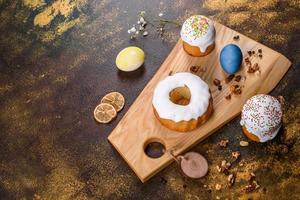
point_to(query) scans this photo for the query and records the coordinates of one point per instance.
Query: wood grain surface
(139, 125)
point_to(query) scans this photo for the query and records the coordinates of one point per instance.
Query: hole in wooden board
(154, 148)
(180, 95)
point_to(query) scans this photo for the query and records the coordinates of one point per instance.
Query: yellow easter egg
(130, 59)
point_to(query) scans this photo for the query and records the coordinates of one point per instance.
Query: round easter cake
(182, 102)
(261, 118)
(198, 35)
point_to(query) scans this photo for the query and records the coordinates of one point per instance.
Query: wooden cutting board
(139, 126)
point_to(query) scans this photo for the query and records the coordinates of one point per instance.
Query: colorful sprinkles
(196, 26)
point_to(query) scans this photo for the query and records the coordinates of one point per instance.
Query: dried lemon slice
(104, 113)
(115, 99)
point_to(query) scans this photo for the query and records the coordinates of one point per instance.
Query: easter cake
(182, 102)
(261, 118)
(198, 35)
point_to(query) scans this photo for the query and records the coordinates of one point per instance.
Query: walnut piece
(236, 154)
(217, 82)
(244, 143)
(223, 143)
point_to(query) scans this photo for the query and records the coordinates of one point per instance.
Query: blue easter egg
(231, 58)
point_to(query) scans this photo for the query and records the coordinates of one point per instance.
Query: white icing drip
(261, 115)
(265, 137)
(197, 106)
(242, 123)
(203, 41)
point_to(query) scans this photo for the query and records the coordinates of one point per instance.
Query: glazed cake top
(261, 115)
(198, 31)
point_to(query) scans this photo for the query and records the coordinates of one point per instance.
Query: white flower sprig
(138, 28)
(141, 26)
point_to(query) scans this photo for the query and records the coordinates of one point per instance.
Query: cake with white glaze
(198, 35)
(261, 118)
(182, 101)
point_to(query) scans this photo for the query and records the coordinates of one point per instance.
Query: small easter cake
(182, 102)
(198, 35)
(261, 118)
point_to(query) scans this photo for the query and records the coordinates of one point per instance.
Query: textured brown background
(57, 61)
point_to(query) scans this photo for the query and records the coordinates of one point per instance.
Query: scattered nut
(219, 87)
(256, 185)
(251, 187)
(244, 143)
(217, 82)
(218, 187)
(238, 78)
(236, 154)
(223, 163)
(223, 143)
(247, 60)
(219, 169)
(250, 177)
(230, 177)
(233, 88)
(224, 167)
(194, 68)
(252, 69)
(228, 165)
(237, 37)
(255, 67)
(228, 97)
(237, 91)
(229, 78)
(259, 51)
(231, 180)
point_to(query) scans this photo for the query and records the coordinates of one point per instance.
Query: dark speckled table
(57, 61)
